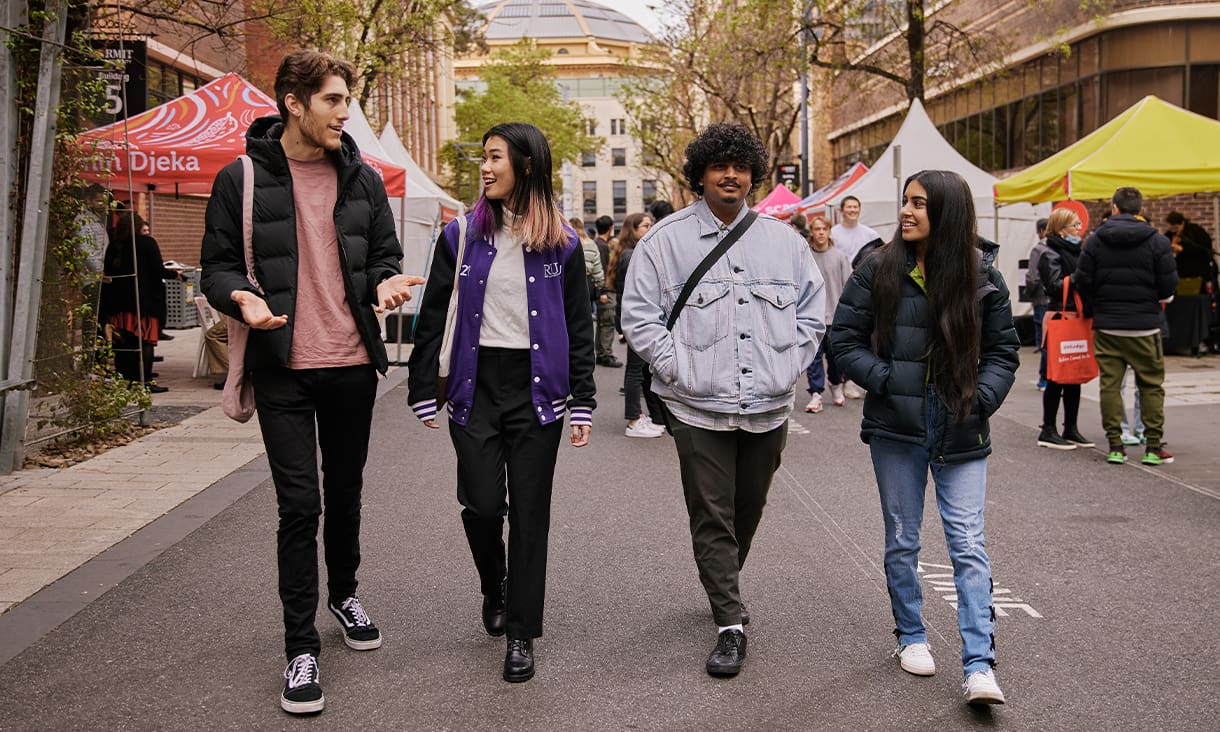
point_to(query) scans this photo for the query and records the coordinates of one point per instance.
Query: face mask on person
(1071, 239)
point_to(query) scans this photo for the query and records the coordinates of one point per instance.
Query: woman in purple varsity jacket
(521, 357)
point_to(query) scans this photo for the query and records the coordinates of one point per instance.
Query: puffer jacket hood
(1125, 231)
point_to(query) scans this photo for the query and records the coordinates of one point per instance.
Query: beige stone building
(591, 44)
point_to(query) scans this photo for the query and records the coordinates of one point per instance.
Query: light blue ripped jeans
(902, 478)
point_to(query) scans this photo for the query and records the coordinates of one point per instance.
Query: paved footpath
(1107, 584)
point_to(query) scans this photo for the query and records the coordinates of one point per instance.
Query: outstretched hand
(394, 291)
(255, 312)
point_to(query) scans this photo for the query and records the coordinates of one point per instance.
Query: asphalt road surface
(1106, 585)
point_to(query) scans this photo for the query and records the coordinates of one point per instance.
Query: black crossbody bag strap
(705, 265)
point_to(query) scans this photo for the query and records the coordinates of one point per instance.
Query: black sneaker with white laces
(302, 692)
(359, 633)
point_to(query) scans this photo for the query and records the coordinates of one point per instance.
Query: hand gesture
(394, 291)
(255, 312)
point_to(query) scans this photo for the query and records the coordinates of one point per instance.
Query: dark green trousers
(1146, 358)
(725, 478)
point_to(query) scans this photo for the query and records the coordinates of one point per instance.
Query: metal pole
(805, 20)
(33, 237)
(12, 15)
(898, 182)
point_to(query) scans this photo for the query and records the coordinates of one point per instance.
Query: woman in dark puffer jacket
(927, 328)
(1059, 261)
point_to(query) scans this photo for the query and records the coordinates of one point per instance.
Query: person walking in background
(1125, 270)
(594, 273)
(1057, 263)
(637, 377)
(1036, 293)
(727, 365)
(327, 259)
(836, 270)
(849, 235)
(927, 328)
(607, 300)
(133, 298)
(522, 357)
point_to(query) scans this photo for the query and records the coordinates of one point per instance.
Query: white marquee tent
(919, 146)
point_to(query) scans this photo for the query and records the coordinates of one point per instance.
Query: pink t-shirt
(324, 333)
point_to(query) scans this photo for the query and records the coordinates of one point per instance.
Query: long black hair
(540, 225)
(951, 269)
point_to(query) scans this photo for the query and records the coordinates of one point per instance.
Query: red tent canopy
(777, 200)
(825, 195)
(181, 145)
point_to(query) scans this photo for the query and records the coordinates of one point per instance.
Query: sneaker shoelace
(303, 670)
(359, 617)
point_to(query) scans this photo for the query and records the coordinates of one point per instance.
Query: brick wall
(177, 225)
(1197, 208)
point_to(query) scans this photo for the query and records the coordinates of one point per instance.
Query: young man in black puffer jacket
(1125, 270)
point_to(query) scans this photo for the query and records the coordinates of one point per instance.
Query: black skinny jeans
(1070, 393)
(637, 382)
(300, 410)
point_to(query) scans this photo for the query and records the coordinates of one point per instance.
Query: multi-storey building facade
(1062, 74)
(591, 46)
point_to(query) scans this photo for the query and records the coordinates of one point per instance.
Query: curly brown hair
(302, 74)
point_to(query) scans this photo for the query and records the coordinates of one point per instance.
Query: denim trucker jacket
(750, 327)
(561, 330)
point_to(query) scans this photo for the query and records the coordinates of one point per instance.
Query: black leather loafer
(728, 654)
(494, 611)
(519, 660)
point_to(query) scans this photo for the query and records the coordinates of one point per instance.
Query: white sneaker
(815, 404)
(980, 687)
(643, 429)
(852, 391)
(836, 394)
(916, 658)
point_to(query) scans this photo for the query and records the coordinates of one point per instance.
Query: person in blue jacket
(926, 326)
(521, 358)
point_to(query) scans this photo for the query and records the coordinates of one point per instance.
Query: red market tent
(827, 194)
(777, 200)
(181, 145)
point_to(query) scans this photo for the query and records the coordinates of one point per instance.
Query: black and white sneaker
(302, 693)
(359, 632)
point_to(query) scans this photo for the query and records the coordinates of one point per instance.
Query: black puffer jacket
(1057, 262)
(1125, 269)
(369, 251)
(895, 405)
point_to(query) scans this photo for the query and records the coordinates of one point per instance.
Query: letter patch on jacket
(552, 269)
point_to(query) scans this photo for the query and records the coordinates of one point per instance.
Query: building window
(618, 126)
(649, 189)
(620, 196)
(591, 127)
(589, 192)
(588, 159)
(619, 156)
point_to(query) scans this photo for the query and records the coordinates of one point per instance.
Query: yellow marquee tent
(1160, 149)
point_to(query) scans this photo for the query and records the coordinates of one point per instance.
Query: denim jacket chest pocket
(776, 314)
(706, 317)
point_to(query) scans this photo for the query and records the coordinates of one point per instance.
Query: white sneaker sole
(643, 434)
(1053, 446)
(309, 707)
(985, 697)
(917, 670)
(358, 645)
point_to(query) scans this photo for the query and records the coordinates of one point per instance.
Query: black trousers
(637, 382)
(506, 466)
(725, 478)
(298, 412)
(1070, 393)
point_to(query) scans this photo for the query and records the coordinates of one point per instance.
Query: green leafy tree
(724, 60)
(520, 87)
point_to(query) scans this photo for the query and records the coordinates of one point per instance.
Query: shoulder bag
(1068, 340)
(238, 398)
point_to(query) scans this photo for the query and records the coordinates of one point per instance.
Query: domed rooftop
(513, 19)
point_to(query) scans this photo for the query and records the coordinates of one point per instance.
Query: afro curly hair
(724, 142)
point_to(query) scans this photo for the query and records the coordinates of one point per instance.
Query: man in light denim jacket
(728, 369)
